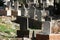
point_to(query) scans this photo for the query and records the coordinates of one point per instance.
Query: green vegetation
(7, 30)
(2, 28)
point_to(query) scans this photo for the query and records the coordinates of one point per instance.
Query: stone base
(48, 37)
(54, 37)
(21, 33)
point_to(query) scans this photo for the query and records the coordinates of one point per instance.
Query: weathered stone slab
(46, 28)
(42, 37)
(54, 37)
(48, 37)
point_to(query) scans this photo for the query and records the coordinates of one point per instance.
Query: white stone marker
(19, 12)
(8, 12)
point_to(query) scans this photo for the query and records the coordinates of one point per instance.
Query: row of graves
(26, 24)
(46, 28)
(50, 28)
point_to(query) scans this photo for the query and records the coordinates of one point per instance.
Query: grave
(23, 32)
(35, 24)
(50, 31)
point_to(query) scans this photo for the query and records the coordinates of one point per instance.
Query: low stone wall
(42, 37)
(48, 37)
(54, 37)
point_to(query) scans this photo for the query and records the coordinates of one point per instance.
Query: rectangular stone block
(42, 37)
(54, 37)
(48, 37)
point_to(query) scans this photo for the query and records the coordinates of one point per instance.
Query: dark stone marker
(34, 24)
(22, 21)
(42, 37)
(23, 32)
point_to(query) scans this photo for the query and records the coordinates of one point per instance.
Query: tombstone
(23, 32)
(46, 27)
(26, 12)
(22, 21)
(44, 35)
(50, 31)
(19, 12)
(34, 24)
(8, 12)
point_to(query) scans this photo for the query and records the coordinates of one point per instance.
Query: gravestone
(50, 31)
(46, 28)
(23, 32)
(8, 12)
(22, 21)
(35, 24)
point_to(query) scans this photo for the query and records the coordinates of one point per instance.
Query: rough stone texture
(48, 37)
(46, 28)
(54, 37)
(42, 37)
